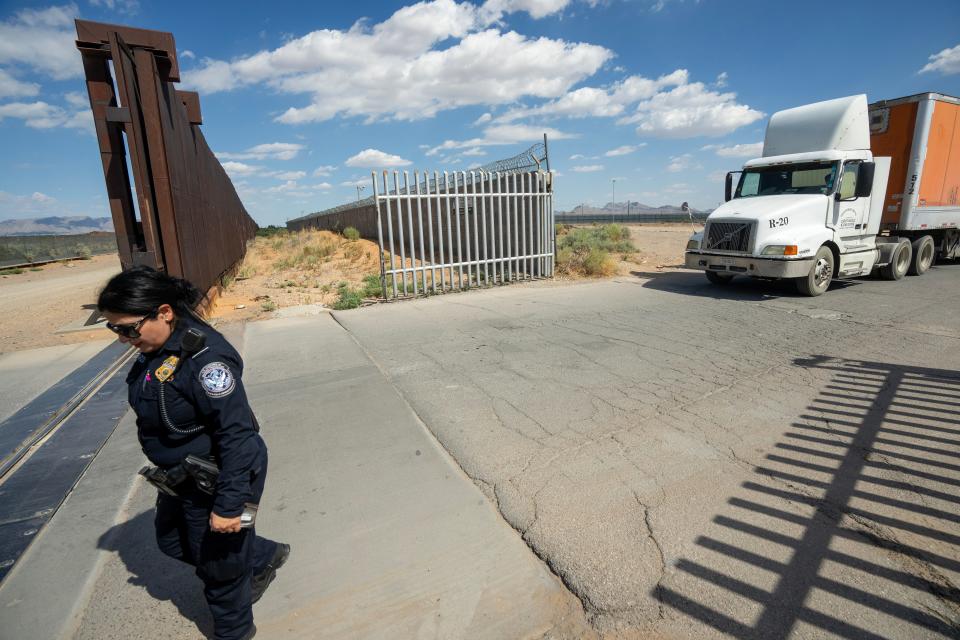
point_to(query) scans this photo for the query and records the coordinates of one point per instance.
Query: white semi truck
(821, 204)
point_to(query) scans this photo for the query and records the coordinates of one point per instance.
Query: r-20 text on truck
(843, 189)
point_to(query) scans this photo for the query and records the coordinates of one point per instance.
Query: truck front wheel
(818, 280)
(899, 261)
(717, 278)
(923, 251)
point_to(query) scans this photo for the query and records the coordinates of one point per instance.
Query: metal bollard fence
(472, 229)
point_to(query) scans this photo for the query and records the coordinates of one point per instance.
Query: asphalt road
(692, 462)
(700, 462)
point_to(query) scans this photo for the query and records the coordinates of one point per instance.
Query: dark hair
(138, 291)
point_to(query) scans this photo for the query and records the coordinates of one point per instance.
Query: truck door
(850, 213)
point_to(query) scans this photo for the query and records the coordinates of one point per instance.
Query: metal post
(446, 195)
(386, 200)
(376, 200)
(410, 232)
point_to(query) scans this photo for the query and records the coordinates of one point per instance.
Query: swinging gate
(469, 229)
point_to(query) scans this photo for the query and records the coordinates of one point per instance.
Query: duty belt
(203, 472)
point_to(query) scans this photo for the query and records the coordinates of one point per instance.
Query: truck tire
(923, 253)
(717, 278)
(818, 280)
(899, 262)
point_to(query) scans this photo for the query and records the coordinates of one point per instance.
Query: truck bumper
(748, 265)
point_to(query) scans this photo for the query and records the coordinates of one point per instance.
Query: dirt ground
(295, 269)
(277, 272)
(660, 247)
(42, 301)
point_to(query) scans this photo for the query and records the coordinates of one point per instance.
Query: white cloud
(624, 150)
(240, 168)
(267, 151)
(121, 6)
(17, 206)
(42, 115)
(681, 163)
(946, 62)
(589, 168)
(600, 102)
(374, 158)
(484, 119)
(77, 100)
(10, 87)
(396, 69)
(474, 151)
(670, 106)
(293, 188)
(186, 54)
(501, 135)
(691, 110)
(721, 80)
(492, 10)
(42, 39)
(353, 184)
(290, 175)
(751, 150)
(324, 171)
(577, 156)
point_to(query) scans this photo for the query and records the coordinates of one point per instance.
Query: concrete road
(690, 461)
(703, 462)
(390, 539)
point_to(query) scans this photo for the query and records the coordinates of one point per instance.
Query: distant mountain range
(622, 208)
(54, 226)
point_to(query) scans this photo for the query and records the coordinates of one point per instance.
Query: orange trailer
(921, 135)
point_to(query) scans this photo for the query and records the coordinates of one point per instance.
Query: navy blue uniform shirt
(204, 412)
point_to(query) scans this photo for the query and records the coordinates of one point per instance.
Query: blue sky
(302, 100)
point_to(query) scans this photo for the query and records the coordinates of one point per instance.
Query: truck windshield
(810, 177)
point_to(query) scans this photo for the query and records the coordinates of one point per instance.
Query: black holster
(203, 472)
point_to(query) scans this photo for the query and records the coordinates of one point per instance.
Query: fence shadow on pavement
(850, 527)
(163, 578)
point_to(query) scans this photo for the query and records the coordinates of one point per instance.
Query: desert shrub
(350, 233)
(350, 298)
(353, 252)
(371, 286)
(587, 250)
(83, 252)
(269, 305)
(270, 231)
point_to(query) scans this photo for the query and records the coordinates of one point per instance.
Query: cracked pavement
(704, 462)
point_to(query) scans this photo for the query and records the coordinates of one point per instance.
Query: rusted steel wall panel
(192, 222)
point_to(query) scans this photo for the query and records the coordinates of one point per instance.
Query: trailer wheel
(899, 262)
(818, 280)
(923, 252)
(717, 278)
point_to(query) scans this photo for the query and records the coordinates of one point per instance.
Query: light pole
(613, 181)
(360, 188)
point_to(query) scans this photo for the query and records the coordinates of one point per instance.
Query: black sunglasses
(130, 330)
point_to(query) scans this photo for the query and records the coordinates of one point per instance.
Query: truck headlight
(779, 250)
(693, 244)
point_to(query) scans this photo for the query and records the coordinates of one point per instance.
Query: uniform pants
(225, 562)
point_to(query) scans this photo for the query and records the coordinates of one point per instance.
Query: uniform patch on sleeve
(217, 380)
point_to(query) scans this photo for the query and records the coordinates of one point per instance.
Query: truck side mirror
(865, 179)
(728, 187)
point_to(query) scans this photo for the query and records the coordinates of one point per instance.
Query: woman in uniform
(195, 425)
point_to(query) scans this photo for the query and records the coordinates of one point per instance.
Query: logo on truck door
(779, 222)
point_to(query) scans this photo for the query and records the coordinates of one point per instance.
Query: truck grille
(728, 236)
